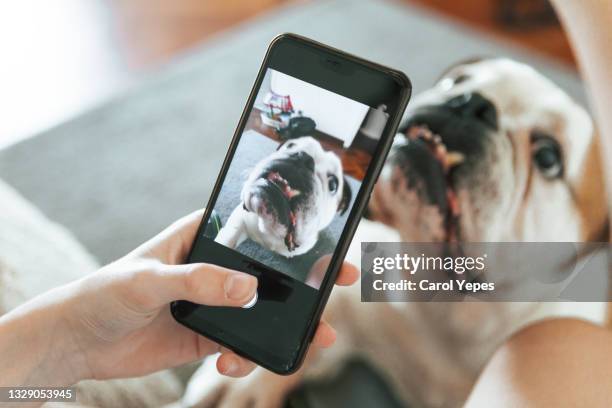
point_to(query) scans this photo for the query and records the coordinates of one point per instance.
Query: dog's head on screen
(296, 192)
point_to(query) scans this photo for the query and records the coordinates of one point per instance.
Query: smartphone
(310, 143)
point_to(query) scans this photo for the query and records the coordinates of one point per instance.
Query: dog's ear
(589, 186)
(466, 61)
(593, 204)
(347, 195)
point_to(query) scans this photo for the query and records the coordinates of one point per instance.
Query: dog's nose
(303, 158)
(474, 105)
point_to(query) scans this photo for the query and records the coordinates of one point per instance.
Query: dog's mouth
(279, 181)
(289, 193)
(274, 195)
(445, 197)
(448, 202)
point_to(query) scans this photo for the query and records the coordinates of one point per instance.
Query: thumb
(201, 283)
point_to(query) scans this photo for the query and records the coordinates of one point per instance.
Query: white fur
(311, 219)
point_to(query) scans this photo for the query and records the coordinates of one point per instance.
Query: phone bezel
(361, 198)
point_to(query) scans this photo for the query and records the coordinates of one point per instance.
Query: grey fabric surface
(252, 148)
(120, 173)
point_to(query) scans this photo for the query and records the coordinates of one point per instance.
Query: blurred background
(63, 57)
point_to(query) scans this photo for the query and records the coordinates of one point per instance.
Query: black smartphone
(310, 143)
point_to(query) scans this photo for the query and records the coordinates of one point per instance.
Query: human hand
(117, 322)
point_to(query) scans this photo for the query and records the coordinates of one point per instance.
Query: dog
(493, 152)
(288, 198)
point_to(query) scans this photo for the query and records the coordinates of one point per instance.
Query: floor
(50, 73)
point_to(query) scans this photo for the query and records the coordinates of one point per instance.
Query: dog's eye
(448, 82)
(332, 183)
(460, 78)
(546, 154)
(289, 145)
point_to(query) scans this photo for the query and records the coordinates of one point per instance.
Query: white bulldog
(288, 198)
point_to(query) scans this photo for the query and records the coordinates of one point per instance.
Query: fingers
(348, 274)
(172, 245)
(198, 283)
(325, 335)
(233, 365)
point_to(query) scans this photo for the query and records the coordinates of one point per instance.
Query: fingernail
(240, 286)
(230, 367)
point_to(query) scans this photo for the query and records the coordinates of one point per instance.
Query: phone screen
(289, 188)
(282, 205)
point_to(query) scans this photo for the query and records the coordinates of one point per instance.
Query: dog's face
(296, 192)
(493, 152)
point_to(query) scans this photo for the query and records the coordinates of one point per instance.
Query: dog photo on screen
(298, 164)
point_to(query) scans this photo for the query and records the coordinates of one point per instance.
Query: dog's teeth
(454, 158)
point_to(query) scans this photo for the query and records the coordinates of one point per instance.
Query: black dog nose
(474, 105)
(304, 159)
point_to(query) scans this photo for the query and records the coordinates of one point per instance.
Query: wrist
(35, 344)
